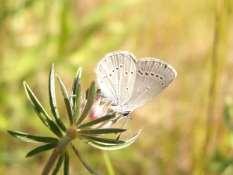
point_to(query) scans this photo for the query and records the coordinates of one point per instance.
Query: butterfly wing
(153, 75)
(116, 74)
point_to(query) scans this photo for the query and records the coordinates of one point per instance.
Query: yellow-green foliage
(195, 36)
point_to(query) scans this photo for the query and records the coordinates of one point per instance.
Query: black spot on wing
(140, 72)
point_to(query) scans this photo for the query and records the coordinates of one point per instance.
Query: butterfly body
(129, 83)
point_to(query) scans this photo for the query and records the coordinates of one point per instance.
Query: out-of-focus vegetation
(187, 129)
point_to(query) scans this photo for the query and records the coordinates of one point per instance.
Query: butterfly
(129, 83)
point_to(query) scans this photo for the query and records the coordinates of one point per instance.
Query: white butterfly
(129, 83)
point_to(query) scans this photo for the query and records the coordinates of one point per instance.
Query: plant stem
(108, 163)
(50, 162)
(55, 154)
(91, 171)
(218, 59)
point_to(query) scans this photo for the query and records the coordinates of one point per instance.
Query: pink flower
(99, 109)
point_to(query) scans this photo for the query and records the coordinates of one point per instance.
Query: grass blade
(58, 165)
(66, 99)
(52, 98)
(97, 121)
(66, 164)
(90, 100)
(32, 138)
(41, 149)
(127, 143)
(101, 131)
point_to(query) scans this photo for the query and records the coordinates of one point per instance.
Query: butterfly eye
(125, 113)
(131, 72)
(157, 75)
(126, 73)
(121, 66)
(147, 73)
(161, 78)
(165, 66)
(152, 74)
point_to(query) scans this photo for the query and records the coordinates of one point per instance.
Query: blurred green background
(187, 129)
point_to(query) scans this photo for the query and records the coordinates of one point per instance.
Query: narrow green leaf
(97, 121)
(66, 164)
(32, 138)
(52, 93)
(42, 114)
(90, 101)
(54, 128)
(52, 98)
(76, 82)
(77, 106)
(41, 149)
(101, 131)
(66, 99)
(76, 87)
(102, 140)
(76, 94)
(107, 147)
(58, 165)
(86, 93)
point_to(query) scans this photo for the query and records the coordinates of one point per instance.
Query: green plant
(221, 160)
(78, 108)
